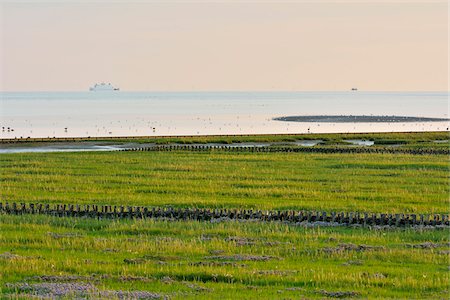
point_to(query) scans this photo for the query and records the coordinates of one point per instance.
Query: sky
(320, 45)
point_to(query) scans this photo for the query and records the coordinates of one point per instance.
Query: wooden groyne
(203, 214)
(328, 150)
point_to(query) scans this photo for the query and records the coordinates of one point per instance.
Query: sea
(120, 113)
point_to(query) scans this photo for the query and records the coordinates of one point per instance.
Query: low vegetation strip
(412, 137)
(327, 150)
(218, 215)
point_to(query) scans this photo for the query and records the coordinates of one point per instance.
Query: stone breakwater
(303, 218)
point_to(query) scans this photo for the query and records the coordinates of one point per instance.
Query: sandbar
(358, 119)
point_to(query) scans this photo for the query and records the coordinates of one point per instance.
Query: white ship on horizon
(103, 87)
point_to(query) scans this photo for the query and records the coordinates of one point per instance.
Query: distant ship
(354, 89)
(103, 87)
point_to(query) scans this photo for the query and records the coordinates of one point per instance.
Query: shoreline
(155, 137)
(431, 140)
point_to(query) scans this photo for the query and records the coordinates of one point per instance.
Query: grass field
(222, 260)
(44, 256)
(349, 182)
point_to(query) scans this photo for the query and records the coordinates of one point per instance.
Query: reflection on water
(308, 143)
(360, 142)
(40, 149)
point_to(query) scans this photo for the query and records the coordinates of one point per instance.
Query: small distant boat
(103, 87)
(354, 89)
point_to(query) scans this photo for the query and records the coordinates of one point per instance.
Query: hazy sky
(230, 45)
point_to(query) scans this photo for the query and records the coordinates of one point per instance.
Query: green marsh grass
(390, 183)
(201, 260)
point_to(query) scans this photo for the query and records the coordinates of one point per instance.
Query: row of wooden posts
(203, 214)
(289, 149)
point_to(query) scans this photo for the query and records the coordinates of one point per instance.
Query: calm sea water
(74, 114)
